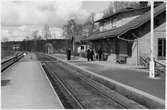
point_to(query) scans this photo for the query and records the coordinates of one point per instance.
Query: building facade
(126, 35)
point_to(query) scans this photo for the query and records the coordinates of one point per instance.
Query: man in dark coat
(68, 54)
(100, 54)
(91, 54)
(88, 54)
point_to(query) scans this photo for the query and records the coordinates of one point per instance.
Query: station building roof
(130, 25)
(127, 10)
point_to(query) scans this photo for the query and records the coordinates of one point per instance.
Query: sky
(20, 18)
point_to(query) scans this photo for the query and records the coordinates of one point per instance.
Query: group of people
(91, 54)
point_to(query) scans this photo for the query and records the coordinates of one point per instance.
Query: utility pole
(72, 38)
(152, 68)
(114, 7)
(137, 51)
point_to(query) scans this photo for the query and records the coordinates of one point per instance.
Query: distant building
(126, 34)
(80, 46)
(16, 47)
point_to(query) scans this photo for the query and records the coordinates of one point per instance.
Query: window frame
(163, 49)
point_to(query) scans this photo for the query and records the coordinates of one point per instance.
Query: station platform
(26, 87)
(130, 75)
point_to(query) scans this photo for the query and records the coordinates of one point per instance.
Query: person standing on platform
(91, 54)
(88, 54)
(68, 54)
(100, 54)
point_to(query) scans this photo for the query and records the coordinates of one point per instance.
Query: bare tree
(47, 33)
(25, 46)
(5, 39)
(35, 38)
(72, 29)
(27, 38)
(35, 35)
(89, 27)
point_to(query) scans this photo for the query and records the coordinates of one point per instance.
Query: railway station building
(125, 35)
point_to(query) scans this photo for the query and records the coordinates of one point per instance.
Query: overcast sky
(20, 18)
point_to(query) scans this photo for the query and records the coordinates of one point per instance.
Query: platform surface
(26, 86)
(129, 75)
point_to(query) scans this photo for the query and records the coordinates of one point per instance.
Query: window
(82, 47)
(161, 48)
(156, 22)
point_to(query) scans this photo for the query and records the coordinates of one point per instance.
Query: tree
(35, 38)
(35, 35)
(88, 26)
(5, 39)
(72, 30)
(47, 33)
(68, 28)
(27, 38)
(5, 47)
(25, 46)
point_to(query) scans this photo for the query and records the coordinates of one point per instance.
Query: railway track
(78, 91)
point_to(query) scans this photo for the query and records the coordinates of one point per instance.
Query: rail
(144, 62)
(159, 68)
(5, 64)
